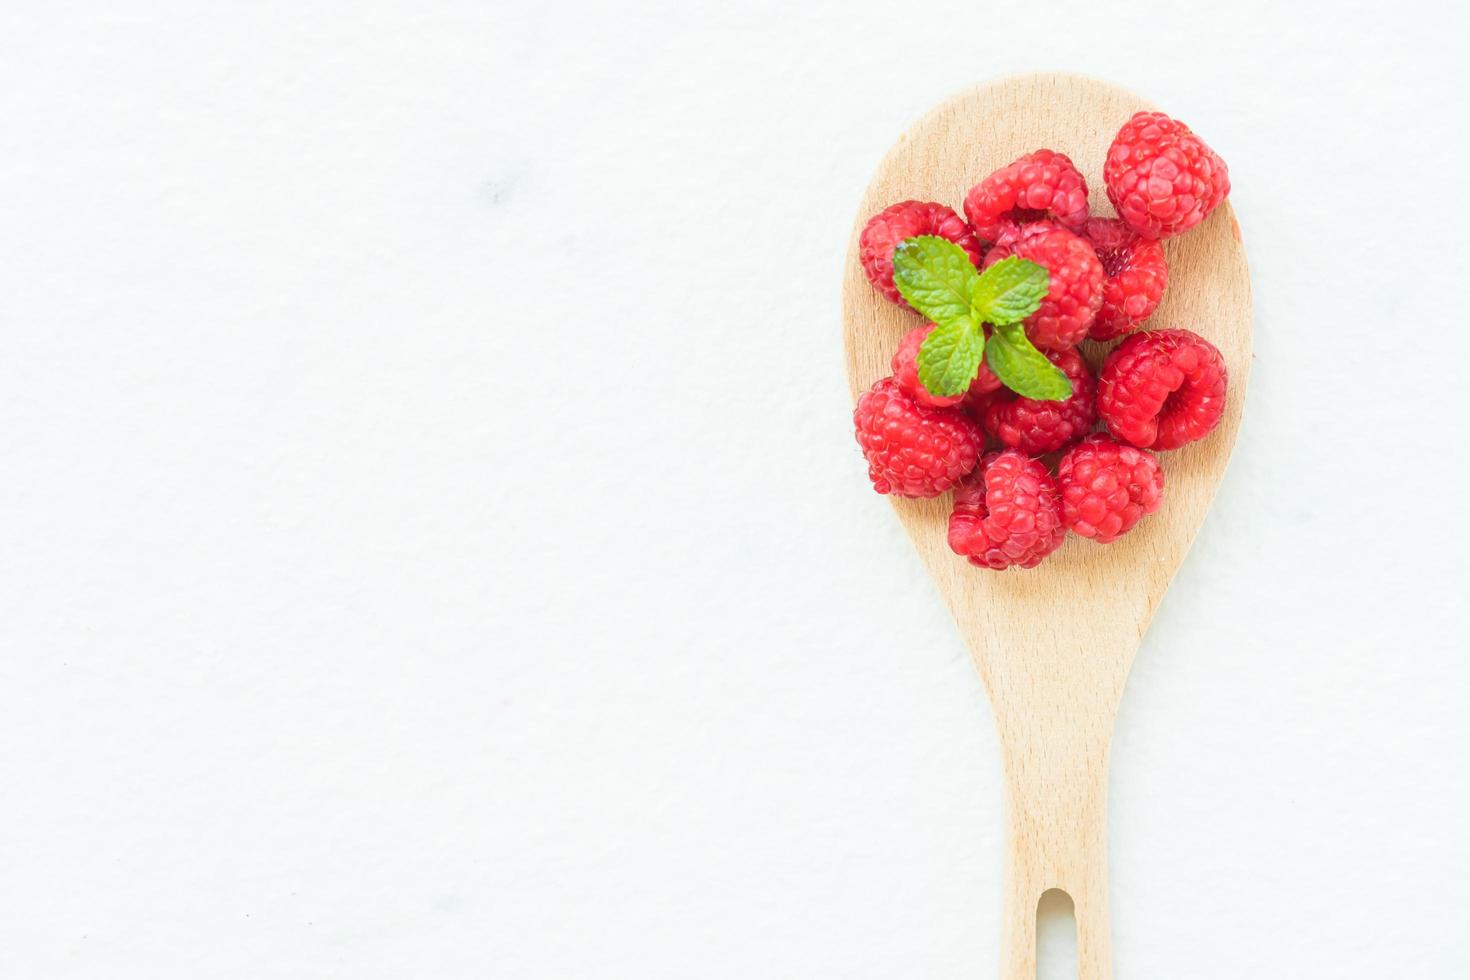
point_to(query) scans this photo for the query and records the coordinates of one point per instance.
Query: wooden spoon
(1054, 644)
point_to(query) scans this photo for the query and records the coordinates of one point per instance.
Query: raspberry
(1161, 178)
(912, 450)
(1008, 513)
(1160, 389)
(1136, 276)
(886, 229)
(1037, 427)
(1076, 282)
(1108, 487)
(1040, 185)
(906, 373)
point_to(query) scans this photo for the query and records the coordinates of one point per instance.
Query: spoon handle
(1057, 790)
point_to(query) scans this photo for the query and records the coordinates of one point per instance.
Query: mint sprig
(938, 280)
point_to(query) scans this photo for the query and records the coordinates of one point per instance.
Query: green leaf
(1024, 369)
(1010, 290)
(936, 277)
(950, 357)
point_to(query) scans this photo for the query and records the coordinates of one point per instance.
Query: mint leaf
(1022, 368)
(1010, 290)
(936, 277)
(950, 357)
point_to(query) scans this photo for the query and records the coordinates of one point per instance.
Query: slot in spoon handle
(1057, 797)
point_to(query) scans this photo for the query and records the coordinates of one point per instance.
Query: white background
(434, 545)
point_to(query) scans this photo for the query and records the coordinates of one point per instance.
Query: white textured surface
(434, 546)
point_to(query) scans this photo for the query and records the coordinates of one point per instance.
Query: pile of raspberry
(1025, 472)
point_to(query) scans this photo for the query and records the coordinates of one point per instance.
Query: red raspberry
(1035, 426)
(912, 450)
(906, 373)
(1160, 389)
(1108, 487)
(1040, 185)
(1161, 178)
(1008, 512)
(889, 227)
(1136, 276)
(1076, 282)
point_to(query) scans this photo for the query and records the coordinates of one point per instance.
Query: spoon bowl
(1054, 644)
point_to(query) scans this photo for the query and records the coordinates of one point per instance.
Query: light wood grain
(1054, 644)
